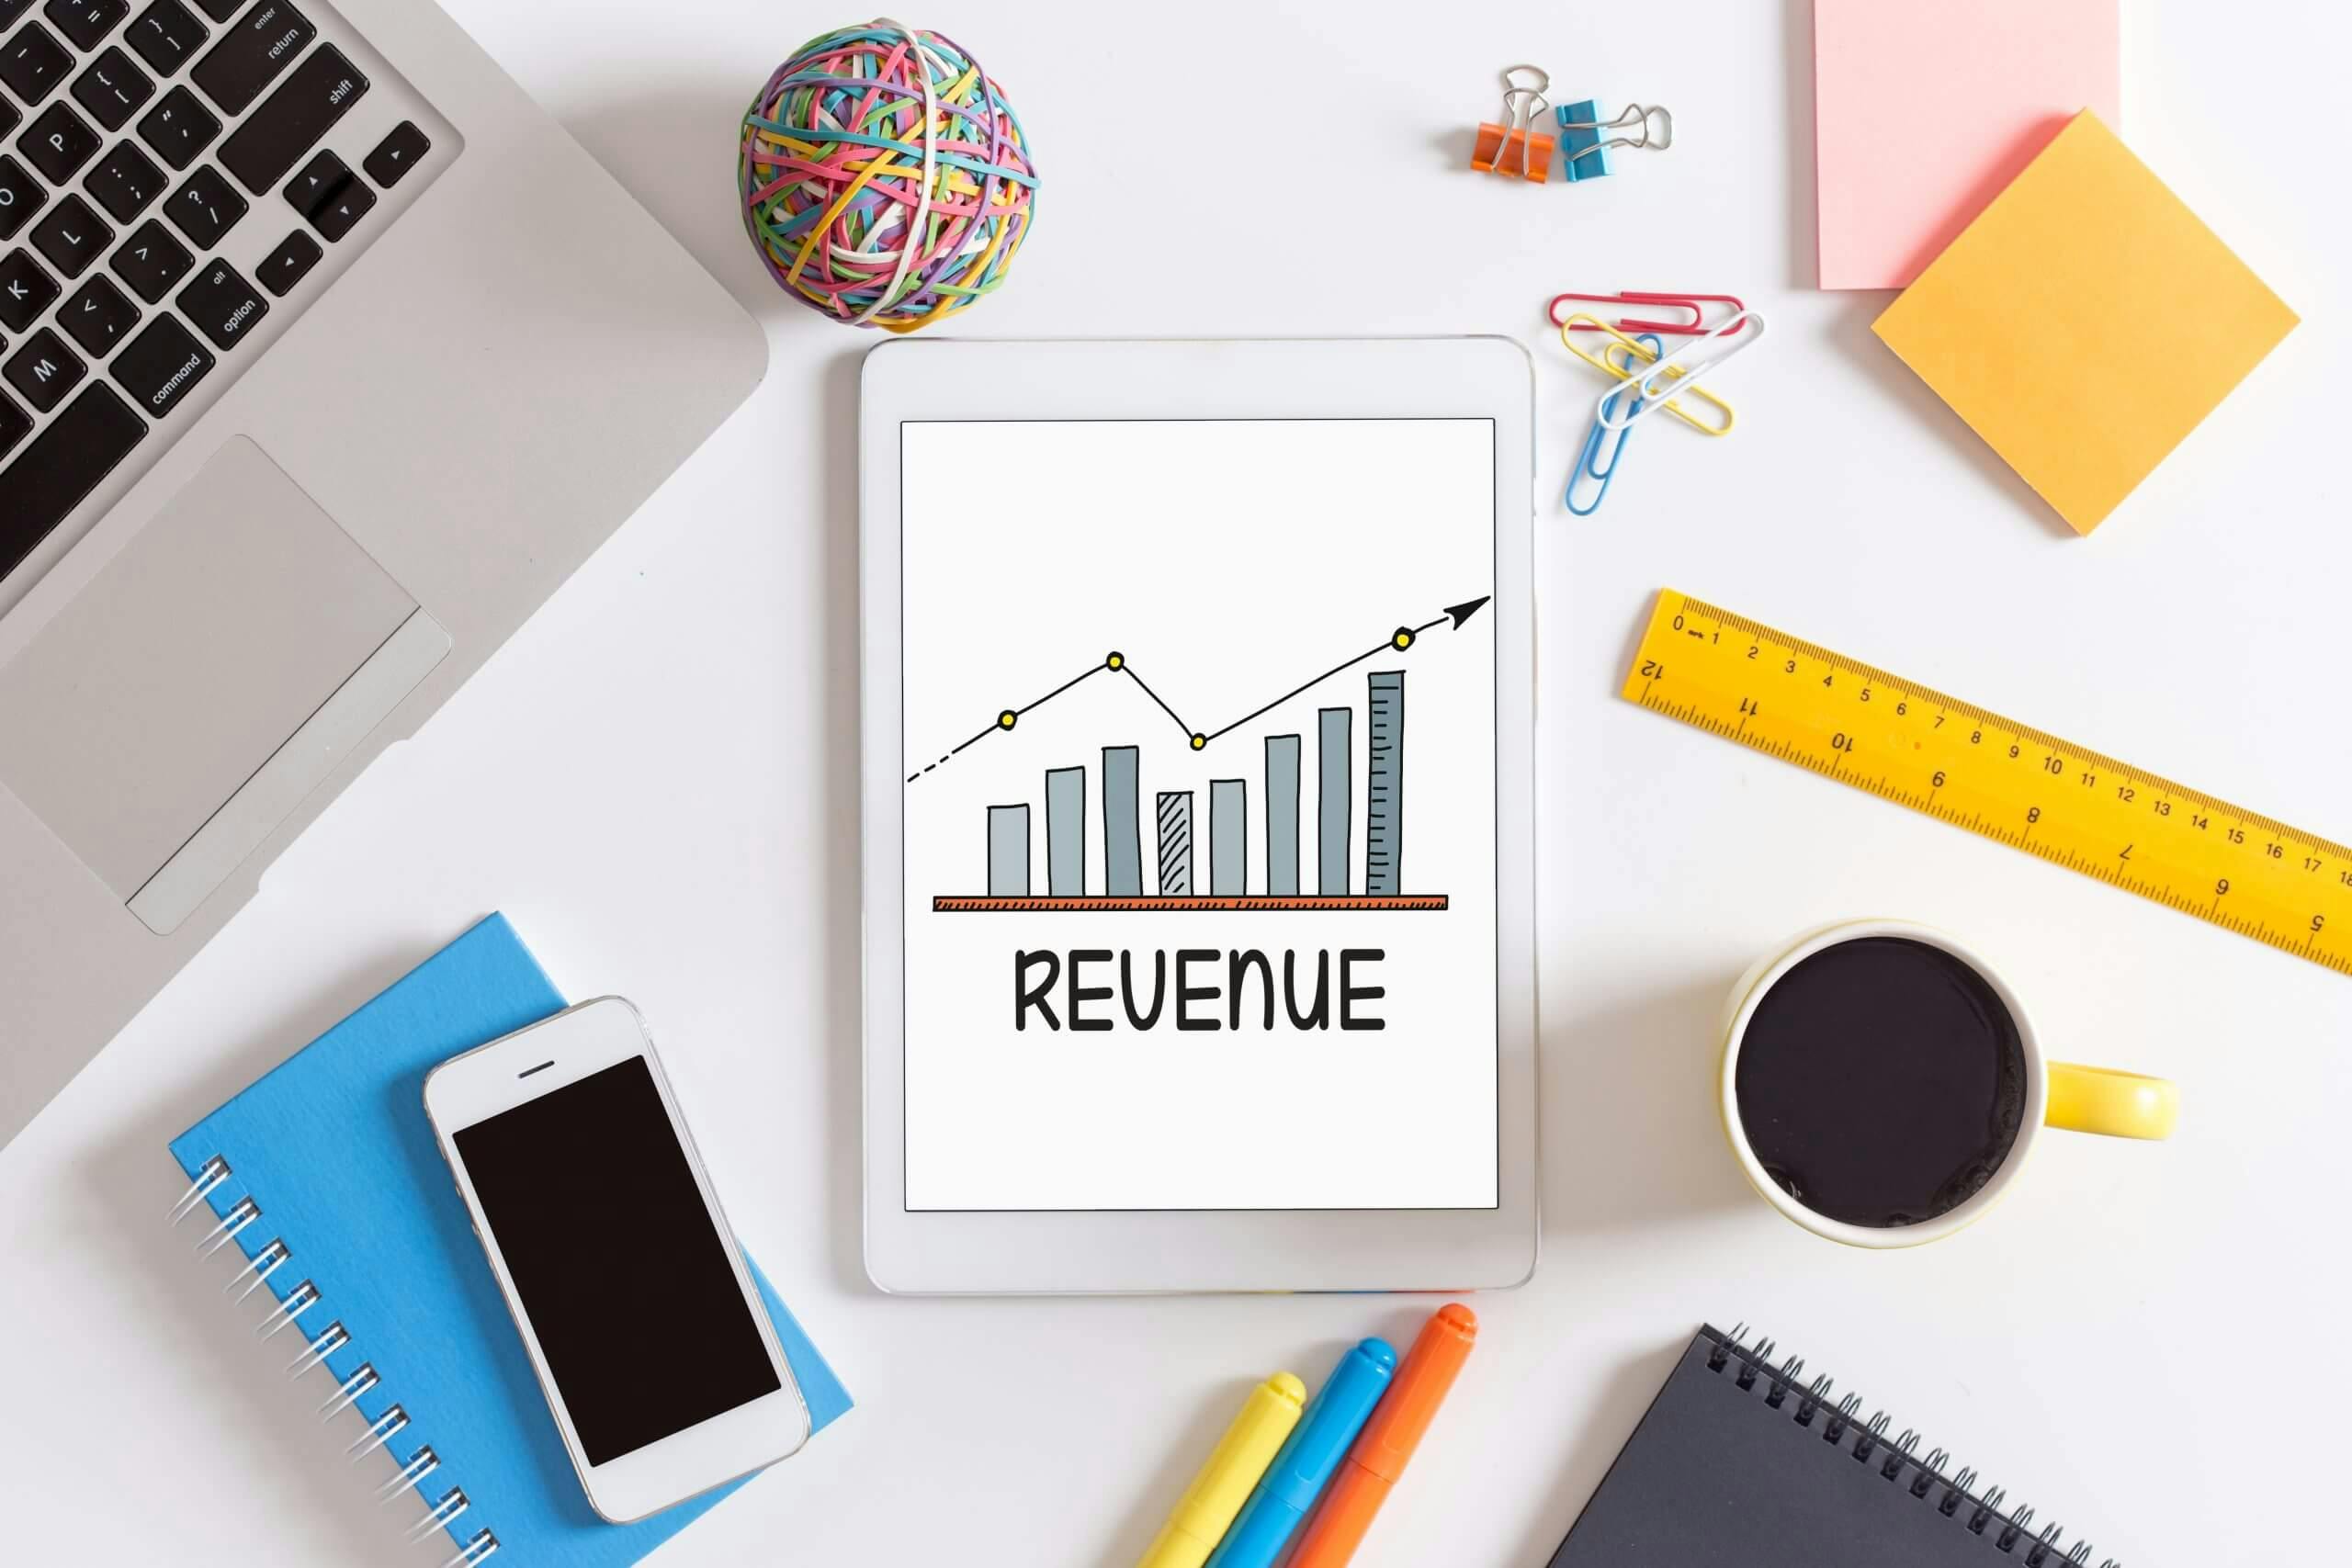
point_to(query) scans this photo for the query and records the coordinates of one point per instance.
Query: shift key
(289, 122)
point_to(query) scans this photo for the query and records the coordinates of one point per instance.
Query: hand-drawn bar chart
(1200, 842)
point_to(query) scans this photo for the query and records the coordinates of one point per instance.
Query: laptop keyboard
(173, 174)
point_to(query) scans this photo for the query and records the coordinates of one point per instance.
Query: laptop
(325, 357)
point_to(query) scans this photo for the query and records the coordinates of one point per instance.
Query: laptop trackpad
(208, 678)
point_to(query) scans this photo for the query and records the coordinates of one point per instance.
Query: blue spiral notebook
(336, 1193)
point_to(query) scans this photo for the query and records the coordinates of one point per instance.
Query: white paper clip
(1678, 371)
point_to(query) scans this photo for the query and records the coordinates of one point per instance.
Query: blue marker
(1307, 1460)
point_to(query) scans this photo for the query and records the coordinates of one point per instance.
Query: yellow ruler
(1911, 744)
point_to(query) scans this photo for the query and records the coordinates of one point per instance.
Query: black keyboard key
(25, 291)
(72, 236)
(60, 466)
(289, 122)
(205, 208)
(179, 127)
(220, 10)
(12, 9)
(33, 63)
(166, 34)
(11, 117)
(341, 212)
(396, 154)
(125, 181)
(251, 54)
(160, 365)
(44, 370)
(20, 196)
(328, 194)
(151, 261)
(315, 181)
(15, 424)
(113, 88)
(290, 263)
(86, 22)
(224, 307)
(98, 316)
(59, 142)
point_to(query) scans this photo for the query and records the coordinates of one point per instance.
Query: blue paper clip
(1587, 461)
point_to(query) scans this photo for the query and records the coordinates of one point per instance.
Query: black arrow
(1396, 641)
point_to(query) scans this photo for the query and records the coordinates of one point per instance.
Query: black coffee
(1880, 1082)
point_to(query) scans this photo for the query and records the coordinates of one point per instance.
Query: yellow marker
(2024, 787)
(1234, 1467)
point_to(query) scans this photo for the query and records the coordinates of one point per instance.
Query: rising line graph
(1117, 663)
(1213, 849)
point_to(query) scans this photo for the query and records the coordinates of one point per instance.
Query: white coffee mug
(2058, 1094)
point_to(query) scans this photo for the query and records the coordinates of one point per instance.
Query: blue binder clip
(1589, 460)
(1584, 149)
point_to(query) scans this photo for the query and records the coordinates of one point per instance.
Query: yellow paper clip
(1639, 353)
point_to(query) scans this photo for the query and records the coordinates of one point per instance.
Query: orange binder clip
(1515, 147)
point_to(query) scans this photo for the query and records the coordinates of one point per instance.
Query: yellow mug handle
(2119, 1105)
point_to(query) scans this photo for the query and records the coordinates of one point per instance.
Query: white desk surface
(658, 778)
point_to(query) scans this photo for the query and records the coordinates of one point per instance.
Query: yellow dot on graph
(1404, 638)
(1004, 720)
(1199, 741)
(1116, 662)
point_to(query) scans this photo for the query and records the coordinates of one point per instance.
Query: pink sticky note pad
(1925, 110)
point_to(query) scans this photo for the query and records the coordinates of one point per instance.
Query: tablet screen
(1200, 816)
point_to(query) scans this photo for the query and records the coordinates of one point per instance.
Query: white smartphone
(651, 1342)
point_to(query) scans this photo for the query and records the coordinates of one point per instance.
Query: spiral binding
(1751, 1367)
(260, 1264)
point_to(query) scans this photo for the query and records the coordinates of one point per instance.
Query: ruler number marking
(2086, 829)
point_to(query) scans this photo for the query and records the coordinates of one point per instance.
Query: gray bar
(1122, 827)
(1066, 832)
(1383, 791)
(1282, 814)
(1333, 805)
(1176, 844)
(1008, 851)
(1229, 837)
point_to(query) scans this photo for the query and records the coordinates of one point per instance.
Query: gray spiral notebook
(1738, 1464)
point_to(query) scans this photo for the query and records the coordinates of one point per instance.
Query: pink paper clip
(1695, 327)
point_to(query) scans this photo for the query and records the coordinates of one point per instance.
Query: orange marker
(1388, 1439)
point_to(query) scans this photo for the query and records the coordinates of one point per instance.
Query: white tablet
(1198, 827)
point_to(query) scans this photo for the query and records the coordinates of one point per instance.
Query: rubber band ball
(885, 177)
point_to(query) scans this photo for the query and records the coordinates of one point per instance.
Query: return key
(251, 54)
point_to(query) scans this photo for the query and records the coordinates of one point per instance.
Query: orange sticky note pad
(2051, 323)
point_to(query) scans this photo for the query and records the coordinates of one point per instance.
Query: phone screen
(612, 1250)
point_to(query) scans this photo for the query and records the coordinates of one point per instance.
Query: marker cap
(1421, 1384)
(1233, 1469)
(1307, 1461)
